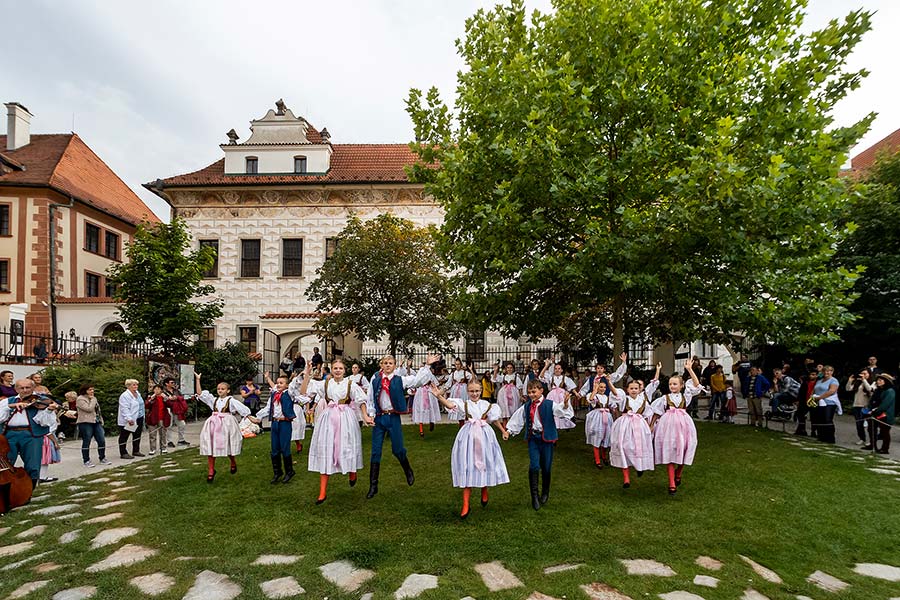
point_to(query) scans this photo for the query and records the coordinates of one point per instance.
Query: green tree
(672, 156)
(159, 288)
(385, 280)
(231, 363)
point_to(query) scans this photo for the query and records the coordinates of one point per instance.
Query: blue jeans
(540, 454)
(88, 432)
(281, 438)
(860, 423)
(387, 424)
(717, 399)
(22, 443)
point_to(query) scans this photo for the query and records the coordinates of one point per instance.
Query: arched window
(112, 328)
(252, 165)
(299, 164)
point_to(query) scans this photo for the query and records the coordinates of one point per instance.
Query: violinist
(25, 421)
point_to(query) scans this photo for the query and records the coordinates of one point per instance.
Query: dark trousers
(860, 422)
(717, 399)
(281, 438)
(22, 443)
(540, 454)
(135, 438)
(880, 431)
(88, 432)
(824, 417)
(387, 424)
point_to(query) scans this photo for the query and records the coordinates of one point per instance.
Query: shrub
(231, 363)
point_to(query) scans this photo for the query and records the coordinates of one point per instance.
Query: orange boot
(323, 488)
(484, 496)
(465, 508)
(211, 468)
(626, 477)
(352, 478)
(598, 460)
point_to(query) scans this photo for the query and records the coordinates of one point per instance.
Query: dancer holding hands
(632, 442)
(221, 435)
(675, 436)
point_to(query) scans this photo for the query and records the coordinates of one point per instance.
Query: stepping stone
(30, 560)
(106, 505)
(26, 588)
(601, 591)
(212, 586)
(112, 536)
(276, 559)
(101, 480)
(284, 587)
(47, 567)
(706, 581)
(415, 584)
(4, 530)
(80, 593)
(55, 510)
(164, 478)
(881, 471)
(141, 468)
(371, 595)
(85, 494)
(647, 567)
(826, 582)
(680, 595)
(74, 515)
(343, 574)
(128, 554)
(177, 470)
(752, 594)
(184, 558)
(562, 568)
(708, 563)
(117, 484)
(127, 488)
(496, 577)
(40, 498)
(153, 585)
(34, 531)
(767, 574)
(104, 518)
(808, 598)
(878, 571)
(75, 488)
(540, 596)
(15, 548)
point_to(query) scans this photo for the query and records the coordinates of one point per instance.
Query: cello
(15, 483)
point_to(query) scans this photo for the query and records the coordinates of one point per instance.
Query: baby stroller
(781, 408)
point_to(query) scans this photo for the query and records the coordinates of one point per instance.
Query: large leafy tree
(385, 280)
(671, 164)
(159, 287)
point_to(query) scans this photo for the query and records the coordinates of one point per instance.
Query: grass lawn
(795, 511)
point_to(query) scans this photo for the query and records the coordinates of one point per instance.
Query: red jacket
(178, 405)
(157, 411)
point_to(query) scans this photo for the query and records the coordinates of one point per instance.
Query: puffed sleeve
(239, 408)
(619, 373)
(4, 411)
(690, 390)
(561, 412)
(586, 388)
(315, 388)
(294, 386)
(46, 418)
(650, 389)
(417, 380)
(493, 413)
(208, 399)
(619, 400)
(358, 396)
(568, 383)
(516, 421)
(658, 406)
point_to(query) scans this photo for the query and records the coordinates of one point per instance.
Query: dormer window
(252, 165)
(299, 164)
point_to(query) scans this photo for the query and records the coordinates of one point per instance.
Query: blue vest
(531, 376)
(396, 392)
(591, 383)
(548, 423)
(36, 429)
(287, 405)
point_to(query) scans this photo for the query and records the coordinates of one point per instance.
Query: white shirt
(559, 381)
(384, 399)
(130, 406)
(219, 404)
(505, 379)
(277, 412)
(627, 404)
(19, 418)
(490, 411)
(517, 420)
(337, 391)
(680, 400)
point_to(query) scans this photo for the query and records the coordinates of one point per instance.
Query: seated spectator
(786, 389)
(250, 395)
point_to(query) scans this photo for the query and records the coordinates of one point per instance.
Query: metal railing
(42, 348)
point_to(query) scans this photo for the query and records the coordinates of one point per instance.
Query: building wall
(277, 160)
(88, 320)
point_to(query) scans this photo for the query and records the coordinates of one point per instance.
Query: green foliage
(231, 363)
(159, 287)
(385, 280)
(667, 163)
(106, 373)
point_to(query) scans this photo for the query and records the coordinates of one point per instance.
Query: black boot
(545, 486)
(410, 478)
(276, 468)
(533, 484)
(373, 479)
(288, 468)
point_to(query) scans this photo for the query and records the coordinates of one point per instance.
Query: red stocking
(211, 465)
(467, 492)
(626, 476)
(323, 486)
(671, 469)
(597, 459)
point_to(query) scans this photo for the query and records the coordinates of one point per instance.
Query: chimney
(18, 126)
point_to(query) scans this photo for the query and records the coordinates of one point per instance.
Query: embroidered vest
(548, 423)
(287, 405)
(396, 392)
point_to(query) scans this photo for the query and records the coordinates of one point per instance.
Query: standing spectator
(177, 404)
(862, 392)
(39, 388)
(316, 360)
(40, 351)
(742, 370)
(883, 411)
(287, 363)
(158, 419)
(90, 425)
(6, 385)
(757, 386)
(68, 418)
(519, 364)
(786, 389)
(705, 377)
(803, 408)
(872, 368)
(299, 363)
(130, 419)
(250, 395)
(825, 393)
(717, 387)
(696, 367)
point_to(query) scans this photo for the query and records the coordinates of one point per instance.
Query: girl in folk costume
(459, 382)
(675, 436)
(426, 408)
(509, 398)
(336, 445)
(599, 421)
(632, 442)
(50, 450)
(560, 386)
(476, 459)
(221, 434)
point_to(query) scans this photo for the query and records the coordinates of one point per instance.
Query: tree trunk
(618, 325)
(392, 346)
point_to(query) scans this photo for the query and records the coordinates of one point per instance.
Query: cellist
(25, 419)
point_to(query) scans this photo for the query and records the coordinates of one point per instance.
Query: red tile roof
(350, 163)
(85, 300)
(867, 157)
(302, 315)
(64, 163)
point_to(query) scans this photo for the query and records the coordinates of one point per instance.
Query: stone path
(79, 593)
(415, 584)
(153, 585)
(496, 577)
(128, 554)
(276, 559)
(878, 571)
(212, 586)
(647, 567)
(826, 582)
(26, 588)
(284, 587)
(108, 537)
(343, 574)
(601, 591)
(764, 572)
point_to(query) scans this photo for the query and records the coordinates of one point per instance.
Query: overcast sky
(152, 87)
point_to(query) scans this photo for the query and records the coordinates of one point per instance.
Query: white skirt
(425, 407)
(598, 427)
(298, 425)
(508, 399)
(558, 395)
(632, 443)
(477, 467)
(221, 436)
(336, 445)
(458, 390)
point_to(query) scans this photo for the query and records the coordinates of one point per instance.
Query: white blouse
(477, 410)
(235, 407)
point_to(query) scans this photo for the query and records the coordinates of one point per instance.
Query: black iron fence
(43, 348)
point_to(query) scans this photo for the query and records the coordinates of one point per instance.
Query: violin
(15, 484)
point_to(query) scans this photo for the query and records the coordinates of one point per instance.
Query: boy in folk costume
(675, 436)
(476, 459)
(387, 400)
(632, 442)
(336, 445)
(425, 405)
(509, 397)
(561, 385)
(221, 434)
(537, 417)
(600, 373)
(533, 375)
(281, 410)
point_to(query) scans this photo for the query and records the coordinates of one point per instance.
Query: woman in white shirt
(130, 404)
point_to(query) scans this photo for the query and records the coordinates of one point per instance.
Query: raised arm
(619, 373)
(269, 381)
(441, 395)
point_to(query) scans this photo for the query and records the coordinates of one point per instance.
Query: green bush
(231, 363)
(105, 373)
